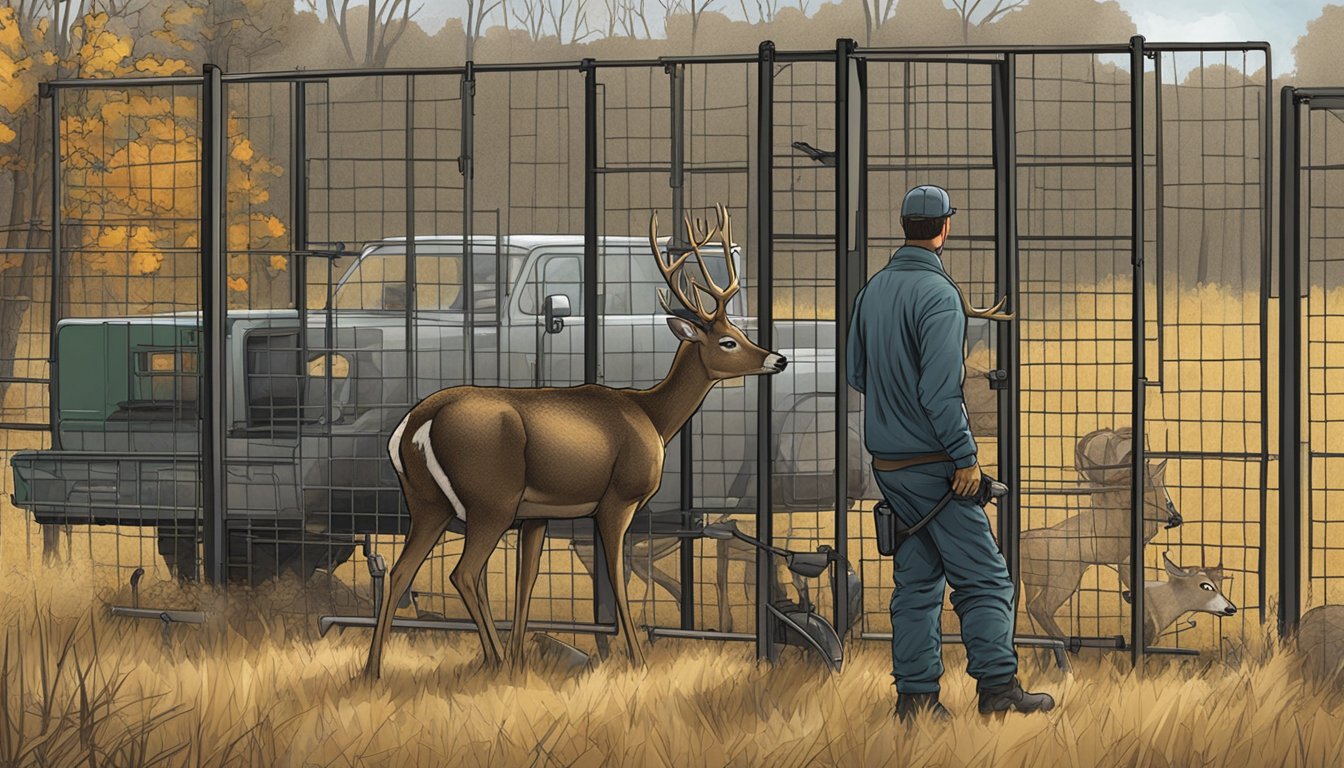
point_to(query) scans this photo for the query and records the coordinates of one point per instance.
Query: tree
(478, 11)
(385, 21)
(225, 29)
(875, 14)
(628, 17)
(977, 13)
(759, 11)
(569, 20)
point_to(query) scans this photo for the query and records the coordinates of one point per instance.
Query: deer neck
(670, 402)
(1160, 605)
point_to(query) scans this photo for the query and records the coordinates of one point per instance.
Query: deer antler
(725, 230)
(991, 313)
(672, 269)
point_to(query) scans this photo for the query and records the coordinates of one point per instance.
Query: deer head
(724, 350)
(1199, 589)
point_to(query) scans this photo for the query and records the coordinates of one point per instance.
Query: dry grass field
(79, 688)
(256, 686)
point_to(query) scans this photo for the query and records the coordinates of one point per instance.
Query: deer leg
(483, 533)
(612, 520)
(427, 525)
(645, 566)
(531, 537)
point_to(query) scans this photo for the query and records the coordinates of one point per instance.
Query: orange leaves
(237, 283)
(102, 52)
(256, 230)
(125, 251)
(10, 261)
(7, 134)
(279, 263)
(161, 65)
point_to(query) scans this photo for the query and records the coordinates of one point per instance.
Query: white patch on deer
(421, 440)
(394, 445)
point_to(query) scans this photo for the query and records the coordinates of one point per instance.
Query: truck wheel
(178, 547)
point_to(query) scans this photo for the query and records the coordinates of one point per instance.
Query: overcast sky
(1280, 22)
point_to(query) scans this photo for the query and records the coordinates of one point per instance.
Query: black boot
(1010, 697)
(909, 705)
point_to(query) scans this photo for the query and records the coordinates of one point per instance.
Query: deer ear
(683, 329)
(1173, 569)
(1215, 573)
(1157, 469)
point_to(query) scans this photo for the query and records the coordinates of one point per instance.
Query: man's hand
(966, 481)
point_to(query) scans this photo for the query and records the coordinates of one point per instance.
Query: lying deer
(498, 456)
(1184, 591)
(1054, 559)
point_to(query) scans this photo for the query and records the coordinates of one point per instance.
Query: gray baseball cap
(927, 202)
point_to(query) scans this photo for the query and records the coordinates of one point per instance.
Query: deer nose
(1174, 518)
(776, 362)
(1230, 610)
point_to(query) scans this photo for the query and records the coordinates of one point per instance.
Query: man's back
(906, 355)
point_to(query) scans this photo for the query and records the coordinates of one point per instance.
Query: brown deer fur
(501, 456)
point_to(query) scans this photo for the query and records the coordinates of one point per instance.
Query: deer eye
(1207, 586)
(727, 343)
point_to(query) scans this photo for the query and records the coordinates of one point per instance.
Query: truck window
(378, 279)
(630, 282)
(559, 274)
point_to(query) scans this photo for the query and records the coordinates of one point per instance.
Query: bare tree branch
(970, 16)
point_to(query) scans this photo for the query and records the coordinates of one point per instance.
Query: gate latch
(998, 378)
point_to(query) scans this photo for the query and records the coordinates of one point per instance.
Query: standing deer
(1185, 590)
(1054, 559)
(497, 456)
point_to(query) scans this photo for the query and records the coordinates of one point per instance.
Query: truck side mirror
(556, 308)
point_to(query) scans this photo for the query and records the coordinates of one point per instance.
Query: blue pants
(957, 548)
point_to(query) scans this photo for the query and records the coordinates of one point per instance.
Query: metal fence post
(1139, 467)
(604, 596)
(1009, 334)
(53, 367)
(467, 167)
(1290, 365)
(847, 200)
(765, 137)
(411, 292)
(214, 319)
(677, 181)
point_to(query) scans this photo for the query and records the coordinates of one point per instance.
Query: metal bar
(765, 139)
(677, 182)
(176, 616)
(699, 634)
(25, 427)
(1138, 473)
(411, 302)
(214, 325)
(86, 83)
(53, 365)
(1290, 364)
(325, 623)
(1266, 287)
(847, 172)
(298, 207)
(989, 57)
(1305, 95)
(1009, 334)
(966, 49)
(467, 167)
(604, 595)
(1159, 218)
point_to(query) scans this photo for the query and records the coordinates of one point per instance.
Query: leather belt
(891, 465)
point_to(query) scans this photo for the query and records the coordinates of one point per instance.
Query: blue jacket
(906, 355)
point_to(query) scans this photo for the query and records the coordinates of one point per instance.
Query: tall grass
(80, 688)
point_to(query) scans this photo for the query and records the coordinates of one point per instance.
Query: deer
(1054, 559)
(496, 457)
(1185, 590)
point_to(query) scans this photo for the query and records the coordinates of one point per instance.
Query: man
(906, 356)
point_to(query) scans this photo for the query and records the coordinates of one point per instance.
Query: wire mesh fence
(386, 235)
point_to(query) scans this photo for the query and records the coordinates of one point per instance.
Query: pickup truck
(312, 399)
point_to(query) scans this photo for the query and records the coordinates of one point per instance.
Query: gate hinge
(998, 378)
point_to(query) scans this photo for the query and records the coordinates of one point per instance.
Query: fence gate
(1312, 251)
